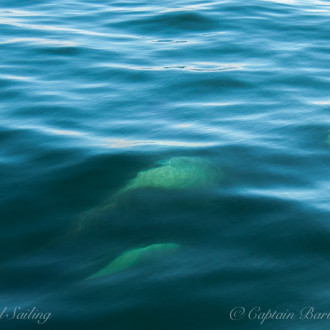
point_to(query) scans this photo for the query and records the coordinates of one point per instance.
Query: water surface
(93, 92)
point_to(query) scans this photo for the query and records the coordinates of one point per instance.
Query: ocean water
(92, 93)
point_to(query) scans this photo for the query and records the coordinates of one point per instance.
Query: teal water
(92, 93)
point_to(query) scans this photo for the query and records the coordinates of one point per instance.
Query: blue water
(94, 92)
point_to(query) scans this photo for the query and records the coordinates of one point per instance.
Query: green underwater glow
(175, 173)
(136, 256)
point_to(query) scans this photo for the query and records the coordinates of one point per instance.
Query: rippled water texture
(97, 98)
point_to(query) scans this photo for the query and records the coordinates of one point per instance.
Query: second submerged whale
(136, 256)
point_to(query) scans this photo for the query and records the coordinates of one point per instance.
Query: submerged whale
(173, 174)
(136, 256)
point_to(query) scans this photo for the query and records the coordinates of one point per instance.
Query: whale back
(176, 173)
(136, 256)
